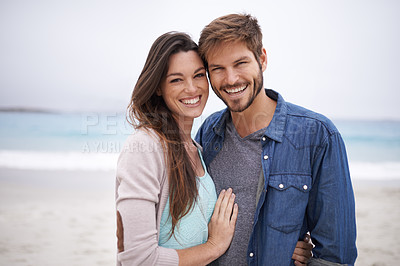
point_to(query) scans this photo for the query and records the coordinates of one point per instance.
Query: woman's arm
(140, 173)
(303, 251)
(141, 177)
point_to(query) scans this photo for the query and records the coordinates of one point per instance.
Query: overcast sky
(340, 58)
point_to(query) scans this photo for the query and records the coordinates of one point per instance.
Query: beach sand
(68, 218)
(57, 218)
(378, 214)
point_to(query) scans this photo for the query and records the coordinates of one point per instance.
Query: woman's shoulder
(142, 155)
(143, 134)
(142, 140)
(142, 147)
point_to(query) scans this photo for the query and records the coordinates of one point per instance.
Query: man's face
(235, 74)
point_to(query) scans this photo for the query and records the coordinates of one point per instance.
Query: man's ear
(263, 59)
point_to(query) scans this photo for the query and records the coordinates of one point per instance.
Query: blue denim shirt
(307, 186)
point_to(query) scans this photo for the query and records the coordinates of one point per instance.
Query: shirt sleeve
(139, 173)
(331, 208)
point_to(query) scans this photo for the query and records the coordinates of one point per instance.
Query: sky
(340, 58)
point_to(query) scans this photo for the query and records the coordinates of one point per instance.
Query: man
(287, 165)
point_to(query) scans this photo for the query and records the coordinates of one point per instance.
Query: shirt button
(264, 138)
(281, 186)
(305, 187)
(251, 254)
(265, 157)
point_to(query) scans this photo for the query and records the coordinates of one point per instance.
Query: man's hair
(231, 28)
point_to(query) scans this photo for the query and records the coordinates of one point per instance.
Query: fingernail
(229, 189)
(222, 191)
(232, 195)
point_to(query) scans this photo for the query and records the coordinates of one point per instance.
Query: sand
(57, 218)
(378, 216)
(67, 218)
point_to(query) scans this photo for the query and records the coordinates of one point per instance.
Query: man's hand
(303, 251)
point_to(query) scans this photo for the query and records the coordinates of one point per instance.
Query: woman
(164, 196)
(165, 202)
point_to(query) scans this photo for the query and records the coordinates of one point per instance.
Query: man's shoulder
(215, 116)
(206, 132)
(212, 119)
(299, 114)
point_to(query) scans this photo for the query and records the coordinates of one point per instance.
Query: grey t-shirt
(238, 165)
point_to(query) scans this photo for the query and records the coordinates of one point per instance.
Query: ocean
(92, 141)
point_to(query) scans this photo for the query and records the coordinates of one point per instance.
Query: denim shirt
(307, 186)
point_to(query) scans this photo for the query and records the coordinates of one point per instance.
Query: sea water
(93, 141)
(56, 141)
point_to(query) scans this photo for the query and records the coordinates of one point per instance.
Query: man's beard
(257, 86)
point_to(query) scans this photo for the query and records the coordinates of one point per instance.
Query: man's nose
(231, 76)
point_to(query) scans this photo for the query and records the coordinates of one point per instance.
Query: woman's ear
(158, 91)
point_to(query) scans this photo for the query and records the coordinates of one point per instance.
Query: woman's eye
(200, 75)
(175, 80)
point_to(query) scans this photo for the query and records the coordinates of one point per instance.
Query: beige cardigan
(141, 195)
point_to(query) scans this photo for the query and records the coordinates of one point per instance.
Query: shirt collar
(276, 127)
(220, 124)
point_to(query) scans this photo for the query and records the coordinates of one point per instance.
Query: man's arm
(331, 207)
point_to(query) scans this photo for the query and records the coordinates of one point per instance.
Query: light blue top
(192, 229)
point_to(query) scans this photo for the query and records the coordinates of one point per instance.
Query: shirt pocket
(287, 198)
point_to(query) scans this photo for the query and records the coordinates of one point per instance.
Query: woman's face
(185, 87)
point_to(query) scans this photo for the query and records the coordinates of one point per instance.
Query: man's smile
(236, 90)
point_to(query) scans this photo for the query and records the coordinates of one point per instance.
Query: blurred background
(339, 58)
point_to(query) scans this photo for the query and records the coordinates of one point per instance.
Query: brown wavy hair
(231, 28)
(148, 110)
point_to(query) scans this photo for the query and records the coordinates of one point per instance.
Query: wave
(46, 160)
(375, 170)
(42, 160)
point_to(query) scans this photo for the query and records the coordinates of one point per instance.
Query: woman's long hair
(148, 110)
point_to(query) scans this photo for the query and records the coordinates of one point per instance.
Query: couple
(284, 166)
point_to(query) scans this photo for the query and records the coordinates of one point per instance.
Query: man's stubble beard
(259, 81)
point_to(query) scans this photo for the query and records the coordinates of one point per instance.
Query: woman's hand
(223, 221)
(220, 233)
(303, 251)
